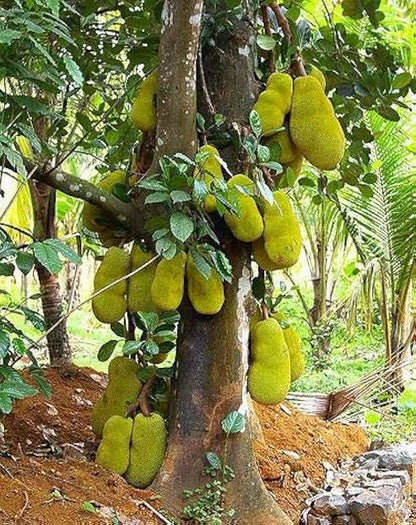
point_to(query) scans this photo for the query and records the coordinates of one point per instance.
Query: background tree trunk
(43, 199)
(213, 350)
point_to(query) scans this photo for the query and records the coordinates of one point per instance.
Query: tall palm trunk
(44, 201)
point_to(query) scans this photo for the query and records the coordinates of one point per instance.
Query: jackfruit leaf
(47, 257)
(262, 187)
(179, 196)
(171, 317)
(305, 181)
(157, 197)
(150, 347)
(158, 234)
(401, 80)
(64, 250)
(149, 320)
(131, 347)
(39, 377)
(233, 422)
(213, 460)
(35, 319)
(6, 403)
(25, 261)
(266, 42)
(152, 184)
(106, 350)
(74, 71)
(181, 226)
(6, 269)
(275, 166)
(166, 247)
(200, 189)
(121, 192)
(200, 122)
(4, 344)
(18, 346)
(118, 329)
(164, 371)
(255, 123)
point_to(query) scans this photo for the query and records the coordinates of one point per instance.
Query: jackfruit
(122, 391)
(274, 103)
(25, 147)
(206, 295)
(168, 284)
(262, 259)
(288, 151)
(144, 113)
(282, 238)
(317, 73)
(93, 218)
(148, 445)
(111, 305)
(314, 128)
(114, 450)
(138, 295)
(211, 169)
(269, 372)
(294, 344)
(247, 226)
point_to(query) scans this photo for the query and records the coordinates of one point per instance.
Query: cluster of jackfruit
(310, 127)
(95, 220)
(276, 359)
(131, 447)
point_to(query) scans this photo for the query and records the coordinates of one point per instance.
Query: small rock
(316, 520)
(345, 519)
(352, 491)
(330, 504)
(378, 508)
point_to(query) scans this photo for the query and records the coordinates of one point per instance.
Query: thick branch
(176, 126)
(124, 213)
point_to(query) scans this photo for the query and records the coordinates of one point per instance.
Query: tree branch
(268, 31)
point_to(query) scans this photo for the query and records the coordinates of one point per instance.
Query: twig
(268, 32)
(203, 83)
(7, 471)
(23, 509)
(155, 512)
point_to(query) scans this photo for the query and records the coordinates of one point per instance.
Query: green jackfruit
(167, 287)
(314, 128)
(282, 238)
(122, 390)
(93, 218)
(274, 103)
(143, 113)
(269, 372)
(206, 295)
(110, 306)
(294, 344)
(261, 257)
(211, 170)
(138, 295)
(247, 226)
(148, 445)
(114, 450)
(288, 152)
(317, 73)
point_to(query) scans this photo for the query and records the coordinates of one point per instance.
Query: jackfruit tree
(216, 132)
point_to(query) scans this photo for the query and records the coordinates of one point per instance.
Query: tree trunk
(212, 353)
(43, 199)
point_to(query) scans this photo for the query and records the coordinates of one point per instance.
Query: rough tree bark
(43, 199)
(212, 351)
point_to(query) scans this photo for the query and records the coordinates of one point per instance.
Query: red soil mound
(49, 480)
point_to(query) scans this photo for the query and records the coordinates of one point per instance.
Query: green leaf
(157, 197)
(25, 261)
(263, 153)
(171, 317)
(213, 460)
(8, 35)
(266, 42)
(64, 250)
(233, 422)
(74, 71)
(401, 80)
(89, 507)
(47, 257)
(118, 329)
(181, 226)
(4, 343)
(6, 269)
(179, 196)
(39, 376)
(131, 347)
(106, 350)
(6, 403)
(255, 123)
(151, 348)
(372, 418)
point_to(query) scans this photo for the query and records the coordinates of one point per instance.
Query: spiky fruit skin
(143, 113)
(269, 372)
(317, 73)
(206, 295)
(92, 217)
(282, 238)
(110, 306)
(211, 169)
(288, 151)
(114, 450)
(122, 390)
(262, 259)
(314, 128)
(148, 445)
(274, 103)
(294, 344)
(138, 294)
(168, 284)
(248, 225)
